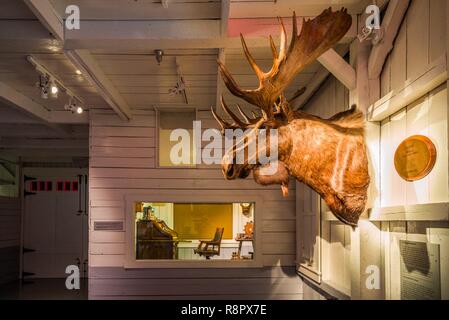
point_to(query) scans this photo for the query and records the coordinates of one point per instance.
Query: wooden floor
(42, 289)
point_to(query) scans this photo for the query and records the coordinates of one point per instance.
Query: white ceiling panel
(285, 8)
(142, 10)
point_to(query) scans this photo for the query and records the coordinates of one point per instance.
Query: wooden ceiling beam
(179, 34)
(311, 88)
(342, 70)
(90, 69)
(47, 15)
(17, 99)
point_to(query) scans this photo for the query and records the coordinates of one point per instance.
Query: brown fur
(330, 157)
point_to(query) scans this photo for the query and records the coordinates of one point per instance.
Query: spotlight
(54, 89)
(78, 72)
(73, 107)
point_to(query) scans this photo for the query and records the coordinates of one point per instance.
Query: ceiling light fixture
(50, 85)
(159, 54)
(73, 106)
(54, 89)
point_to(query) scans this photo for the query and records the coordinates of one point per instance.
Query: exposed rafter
(342, 70)
(47, 15)
(177, 34)
(86, 63)
(312, 87)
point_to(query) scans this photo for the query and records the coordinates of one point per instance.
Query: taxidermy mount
(328, 155)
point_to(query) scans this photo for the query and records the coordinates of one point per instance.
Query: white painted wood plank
(418, 123)
(438, 129)
(417, 37)
(438, 23)
(398, 61)
(102, 183)
(130, 142)
(118, 152)
(105, 131)
(397, 134)
(114, 194)
(111, 162)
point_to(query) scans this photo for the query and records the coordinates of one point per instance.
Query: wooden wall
(9, 239)
(427, 116)
(421, 40)
(345, 254)
(123, 162)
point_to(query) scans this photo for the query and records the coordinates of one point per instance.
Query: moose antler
(237, 122)
(317, 36)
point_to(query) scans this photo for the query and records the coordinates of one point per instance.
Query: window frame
(213, 196)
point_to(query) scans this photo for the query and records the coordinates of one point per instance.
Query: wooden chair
(211, 247)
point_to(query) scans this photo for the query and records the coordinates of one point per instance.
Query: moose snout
(234, 171)
(228, 171)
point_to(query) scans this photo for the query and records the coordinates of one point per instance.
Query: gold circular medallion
(415, 158)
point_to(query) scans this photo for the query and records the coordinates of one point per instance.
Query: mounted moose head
(326, 154)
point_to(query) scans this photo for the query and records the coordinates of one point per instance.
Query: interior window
(168, 122)
(194, 231)
(9, 181)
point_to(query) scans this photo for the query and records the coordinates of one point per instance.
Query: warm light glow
(78, 72)
(54, 89)
(79, 110)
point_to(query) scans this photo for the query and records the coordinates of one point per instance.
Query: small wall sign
(108, 225)
(415, 158)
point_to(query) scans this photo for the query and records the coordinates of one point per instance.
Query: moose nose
(229, 171)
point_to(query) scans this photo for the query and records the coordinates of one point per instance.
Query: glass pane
(168, 122)
(194, 231)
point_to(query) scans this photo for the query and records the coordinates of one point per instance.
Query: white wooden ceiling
(144, 84)
(126, 10)
(133, 70)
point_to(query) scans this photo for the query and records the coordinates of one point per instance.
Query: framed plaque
(420, 270)
(415, 158)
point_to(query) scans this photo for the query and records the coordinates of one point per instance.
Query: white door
(55, 222)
